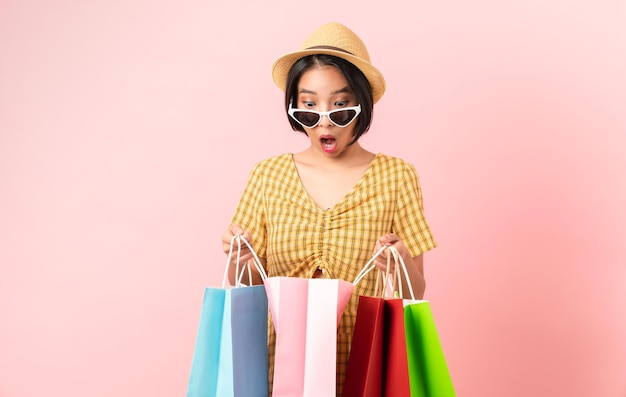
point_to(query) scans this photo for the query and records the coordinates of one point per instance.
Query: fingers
(388, 239)
(236, 230)
(382, 260)
(383, 266)
(243, 257)
(383, 263)
(232, 231)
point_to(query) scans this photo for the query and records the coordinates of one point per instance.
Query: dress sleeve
(409, 221)
(250, 212)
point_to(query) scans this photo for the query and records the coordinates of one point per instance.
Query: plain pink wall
(128, 128)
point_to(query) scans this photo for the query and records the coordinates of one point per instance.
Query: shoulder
(273, 164)
(394, 165)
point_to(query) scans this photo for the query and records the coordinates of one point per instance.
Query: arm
(410, 229)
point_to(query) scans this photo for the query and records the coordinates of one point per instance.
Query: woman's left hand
(389, 240)
(414, 265)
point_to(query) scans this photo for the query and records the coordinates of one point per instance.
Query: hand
(227, 236)
(414, 265)
(389, 240)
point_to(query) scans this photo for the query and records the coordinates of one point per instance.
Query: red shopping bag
(397, 368)
(364, 376)
(378, 364)
(306, 313)
(378, 357)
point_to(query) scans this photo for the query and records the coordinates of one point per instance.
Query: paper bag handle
(399, 262)
(239, 275)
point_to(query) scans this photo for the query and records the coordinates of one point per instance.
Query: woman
(325, 211)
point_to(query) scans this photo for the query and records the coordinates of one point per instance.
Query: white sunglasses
(310, 118)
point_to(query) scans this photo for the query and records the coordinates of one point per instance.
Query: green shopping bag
(428, 370)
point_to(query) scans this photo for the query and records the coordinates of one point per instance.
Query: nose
(325, 121)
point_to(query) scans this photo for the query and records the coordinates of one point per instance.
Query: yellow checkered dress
(296, 237)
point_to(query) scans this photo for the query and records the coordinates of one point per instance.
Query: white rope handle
(369, 266)
(399, 263)
(230, 254)
(257, 262)
(238, 282)
(239, 275)
(399, 260)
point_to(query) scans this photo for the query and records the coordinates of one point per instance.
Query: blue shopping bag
(230, 356)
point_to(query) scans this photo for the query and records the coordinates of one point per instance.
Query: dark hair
(356, 81)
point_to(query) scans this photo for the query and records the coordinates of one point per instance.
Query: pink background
(128, 128)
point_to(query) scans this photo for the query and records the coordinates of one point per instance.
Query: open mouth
(328, 144)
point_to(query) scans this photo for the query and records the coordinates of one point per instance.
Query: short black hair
(356, 81)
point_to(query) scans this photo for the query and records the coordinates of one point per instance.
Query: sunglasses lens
(309, 119)
(342, 117)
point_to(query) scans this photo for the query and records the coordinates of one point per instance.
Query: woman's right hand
(244, 254)
(236, 230)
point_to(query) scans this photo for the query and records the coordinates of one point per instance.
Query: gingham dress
(296, 237)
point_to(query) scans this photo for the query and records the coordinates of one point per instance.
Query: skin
(329, 168)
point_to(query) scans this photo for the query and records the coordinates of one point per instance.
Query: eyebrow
(339, 91)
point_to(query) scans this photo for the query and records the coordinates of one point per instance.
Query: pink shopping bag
(306, 314)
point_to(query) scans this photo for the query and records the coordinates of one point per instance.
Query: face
(324, 89)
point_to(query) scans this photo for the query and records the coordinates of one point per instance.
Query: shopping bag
(412, 366)
(364, 373)
(230, 355)
(397, 367)
(306, 314)
(428, 370)
(377, 365)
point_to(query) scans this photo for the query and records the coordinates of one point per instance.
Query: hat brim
(281, 67)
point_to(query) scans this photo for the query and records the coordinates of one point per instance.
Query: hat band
(328, 47)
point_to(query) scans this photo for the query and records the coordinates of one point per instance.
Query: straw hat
(332, 39)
